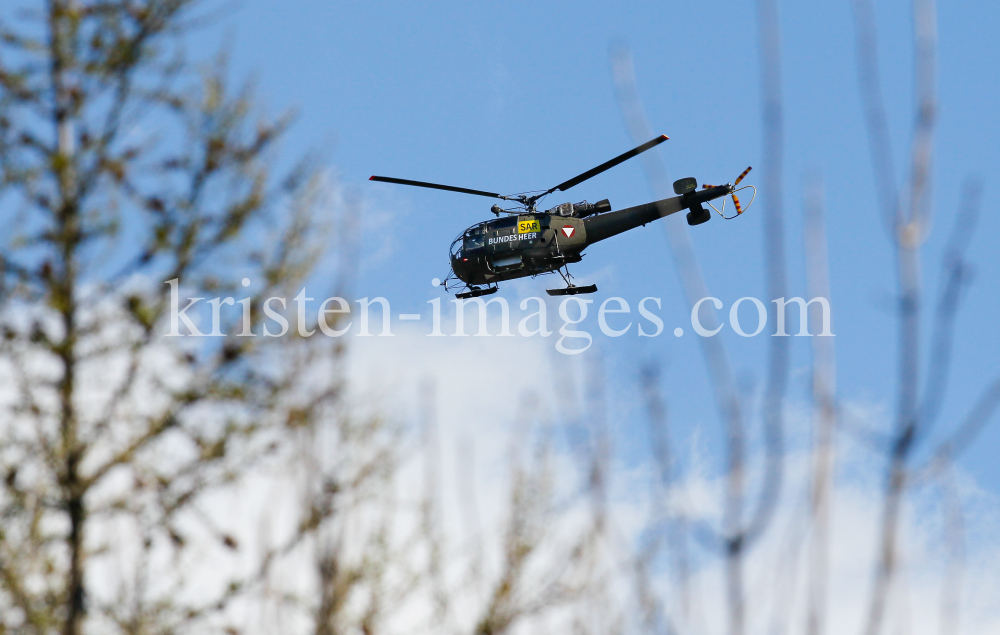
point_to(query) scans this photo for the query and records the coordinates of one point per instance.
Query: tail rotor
(733, 189)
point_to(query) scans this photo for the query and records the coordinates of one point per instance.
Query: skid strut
(571, 289)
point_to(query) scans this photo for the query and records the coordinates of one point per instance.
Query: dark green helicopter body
(528, 242)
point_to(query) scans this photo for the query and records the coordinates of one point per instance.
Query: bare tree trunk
(63, 289)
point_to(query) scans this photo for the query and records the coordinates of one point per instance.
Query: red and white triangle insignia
(569, 230)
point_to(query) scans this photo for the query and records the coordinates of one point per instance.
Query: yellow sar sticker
(525, 226)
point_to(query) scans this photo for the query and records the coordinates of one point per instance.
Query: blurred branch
(956, 279)
(880, 146)
(985, 407)
(908, 233)
(824, 403)
(774, 250)
(954, 530)
(738, 534)
(674, 525)
(693, 283)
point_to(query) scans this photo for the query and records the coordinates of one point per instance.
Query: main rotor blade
(435, 186)
(576, 180)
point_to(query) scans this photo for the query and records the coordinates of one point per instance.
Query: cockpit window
(473, 242)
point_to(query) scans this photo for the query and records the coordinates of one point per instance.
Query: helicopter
(529, 242)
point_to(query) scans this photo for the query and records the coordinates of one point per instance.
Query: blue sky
(518, 96)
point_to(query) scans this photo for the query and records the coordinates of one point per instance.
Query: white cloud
(482, 386)
(462, 419)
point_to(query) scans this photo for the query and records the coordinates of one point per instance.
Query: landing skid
(572, 290)
(476, 292)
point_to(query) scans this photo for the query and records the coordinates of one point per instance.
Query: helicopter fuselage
(533, 243)
(527, 242)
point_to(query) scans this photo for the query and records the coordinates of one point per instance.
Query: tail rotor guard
(733, 189)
